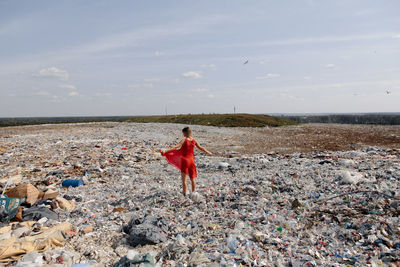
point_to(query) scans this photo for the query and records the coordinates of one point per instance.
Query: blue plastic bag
(10, 205)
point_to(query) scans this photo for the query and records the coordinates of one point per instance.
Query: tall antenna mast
(234, 110)
(166, 110)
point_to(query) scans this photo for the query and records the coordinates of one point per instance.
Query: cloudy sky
(63, 58)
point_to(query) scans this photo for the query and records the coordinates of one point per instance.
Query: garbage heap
(103, 196)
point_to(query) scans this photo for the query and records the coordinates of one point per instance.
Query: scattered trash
(296, 204)
(351, 177)
(321, 208)
(133, 259)
(59, 257)
(36, 213)
(221, 165)
(32, 259)
(65, 204)
(50, 193)
(196, 197)
(88, 229)
(197, 258)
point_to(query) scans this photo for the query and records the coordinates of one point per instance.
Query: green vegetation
(221, 120)
(6, 122)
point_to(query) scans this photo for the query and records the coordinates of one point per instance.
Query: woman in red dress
(181, 156)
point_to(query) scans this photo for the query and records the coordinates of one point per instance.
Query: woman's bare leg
(184, 184)
(193, 184)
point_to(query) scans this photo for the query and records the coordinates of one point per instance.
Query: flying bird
(247, 61)
(387, 92)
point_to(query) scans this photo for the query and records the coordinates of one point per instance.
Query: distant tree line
(381, 119)
(4, 122)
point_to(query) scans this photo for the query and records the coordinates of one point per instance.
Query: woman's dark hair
(187, 131)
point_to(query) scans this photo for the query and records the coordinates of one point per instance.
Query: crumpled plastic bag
(143, 231)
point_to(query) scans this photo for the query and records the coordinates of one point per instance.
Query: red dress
(183, 159)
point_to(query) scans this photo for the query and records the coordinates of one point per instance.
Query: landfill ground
(305, 195)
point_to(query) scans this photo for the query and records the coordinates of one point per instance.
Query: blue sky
(71, 58)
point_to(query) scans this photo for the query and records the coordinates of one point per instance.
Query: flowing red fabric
(183, 159)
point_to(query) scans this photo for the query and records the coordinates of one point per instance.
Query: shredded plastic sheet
(14, 248)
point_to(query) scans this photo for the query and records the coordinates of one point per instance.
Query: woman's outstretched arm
(178, 146)
(203, 149)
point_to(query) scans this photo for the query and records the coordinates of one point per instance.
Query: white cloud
(269, 76)
(210, 96)
(330, 66)
(73, 94)
(350, 84)
(143, 35)
(201, 90)
(290, 97)
(396, 36)
(54, 72)
(307, 78)
(192, 74)
(310, 3)
(68, 86)
(312, 40)
(120, 40)
(141, 85)
(176, 80)
(337, 85)
(151, 80)
(12, 26)
(103, 94)
(209, 66)
(365, 12)
(55, 99)
(42, 93)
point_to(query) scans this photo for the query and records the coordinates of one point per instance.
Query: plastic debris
(32, 259)
(8, 208)
(37, 213)
(133, 259)
(147, 230)
(351, 177)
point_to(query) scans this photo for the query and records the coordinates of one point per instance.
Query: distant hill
(221, 120)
